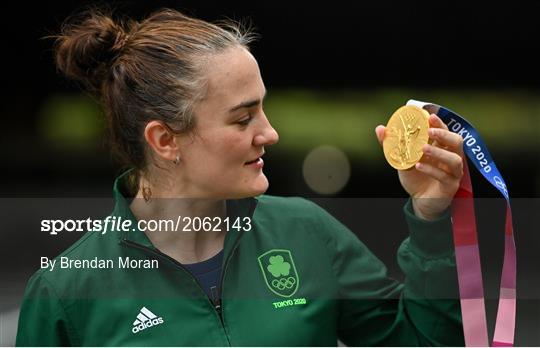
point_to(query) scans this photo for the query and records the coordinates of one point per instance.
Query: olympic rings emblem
(283, 283)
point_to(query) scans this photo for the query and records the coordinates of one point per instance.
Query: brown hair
(142, 71)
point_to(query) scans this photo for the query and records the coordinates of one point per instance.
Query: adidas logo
(145, 319)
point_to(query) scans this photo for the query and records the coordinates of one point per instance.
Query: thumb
(379, 131)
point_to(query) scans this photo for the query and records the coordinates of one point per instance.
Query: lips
(255, 159)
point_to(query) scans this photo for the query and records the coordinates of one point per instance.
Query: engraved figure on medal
(409, 134)
(406, 133)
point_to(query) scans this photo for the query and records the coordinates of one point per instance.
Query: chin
(258, 187)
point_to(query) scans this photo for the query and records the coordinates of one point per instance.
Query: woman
(184, 102)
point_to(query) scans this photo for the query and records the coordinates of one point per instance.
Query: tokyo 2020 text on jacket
(296, 277)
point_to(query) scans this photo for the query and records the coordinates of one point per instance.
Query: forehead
(232, 78)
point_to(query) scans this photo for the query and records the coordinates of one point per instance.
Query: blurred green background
(71, 125)
(506, 119)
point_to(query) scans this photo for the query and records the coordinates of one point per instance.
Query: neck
(175, 239)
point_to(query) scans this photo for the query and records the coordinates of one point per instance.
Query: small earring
(176, 160)
(147, 193)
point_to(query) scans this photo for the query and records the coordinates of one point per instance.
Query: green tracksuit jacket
(297, 277)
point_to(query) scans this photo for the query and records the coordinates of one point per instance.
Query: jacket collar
(236, 209)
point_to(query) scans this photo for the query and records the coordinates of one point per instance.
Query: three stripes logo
(145, 319)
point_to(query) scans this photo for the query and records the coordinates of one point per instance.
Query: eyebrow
(247, 104)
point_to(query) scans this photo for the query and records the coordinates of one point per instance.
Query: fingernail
(431, 132)
(419, 165)
(426, 148)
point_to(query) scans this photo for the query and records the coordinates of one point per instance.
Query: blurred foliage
(71, 122)
(347, 119)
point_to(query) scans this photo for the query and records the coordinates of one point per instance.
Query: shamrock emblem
(278, 267)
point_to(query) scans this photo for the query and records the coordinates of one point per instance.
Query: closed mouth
(256, 159)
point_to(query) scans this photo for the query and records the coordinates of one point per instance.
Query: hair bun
(86, 48)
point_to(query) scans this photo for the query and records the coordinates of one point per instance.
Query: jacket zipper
(217, 306)
(226, 265)
(222, 276)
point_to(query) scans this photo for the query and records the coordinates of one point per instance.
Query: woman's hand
(434, 181)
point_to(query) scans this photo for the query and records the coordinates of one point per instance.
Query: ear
(161, 140)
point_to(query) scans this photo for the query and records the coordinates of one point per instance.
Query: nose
(267, 134)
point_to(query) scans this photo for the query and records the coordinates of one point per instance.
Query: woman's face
(222, 157)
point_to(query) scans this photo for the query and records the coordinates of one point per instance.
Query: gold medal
(406, 133)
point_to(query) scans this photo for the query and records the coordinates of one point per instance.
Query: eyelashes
(245, 121)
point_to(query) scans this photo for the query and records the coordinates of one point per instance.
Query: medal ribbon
(469, 270)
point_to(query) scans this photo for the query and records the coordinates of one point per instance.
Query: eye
(245, 120)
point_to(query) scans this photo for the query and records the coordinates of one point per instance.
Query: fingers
(451, 161)
(379, 131)
(447, 139)
(435, 121)
(449, 181)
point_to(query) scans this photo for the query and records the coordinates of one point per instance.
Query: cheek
(230, 147)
